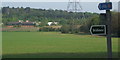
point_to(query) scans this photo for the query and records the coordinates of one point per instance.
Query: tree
(65, 28)
(115, 23)
(92, 21)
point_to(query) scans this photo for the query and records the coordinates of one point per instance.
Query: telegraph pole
(109, 40)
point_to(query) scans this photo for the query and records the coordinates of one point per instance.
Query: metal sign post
(107, 6)
(109, 42)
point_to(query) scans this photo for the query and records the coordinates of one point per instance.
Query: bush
(47, 29)
(65, 29)
(86, 26)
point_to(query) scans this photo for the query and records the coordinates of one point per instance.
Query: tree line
(31, 14)
(71, 22)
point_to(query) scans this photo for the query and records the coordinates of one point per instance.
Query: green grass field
(55, 45)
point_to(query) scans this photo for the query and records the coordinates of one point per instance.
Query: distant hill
(42, 15)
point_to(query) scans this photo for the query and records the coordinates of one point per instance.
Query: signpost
(109, 42)
(98, 30)
(103, 18)
(101, 30)
(105, 6)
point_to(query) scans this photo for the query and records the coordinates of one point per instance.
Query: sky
(93, 6)
(55, 0)
(57, 4)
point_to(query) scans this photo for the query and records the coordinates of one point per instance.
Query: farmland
(55, 45)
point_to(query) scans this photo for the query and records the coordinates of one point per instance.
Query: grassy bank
(55, 45)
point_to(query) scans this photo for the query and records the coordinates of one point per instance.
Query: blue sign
(105, 6)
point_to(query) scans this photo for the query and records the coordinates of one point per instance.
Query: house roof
(27, 23)
(13, 23)
(19, 23)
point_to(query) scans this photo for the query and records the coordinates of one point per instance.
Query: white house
(1, 24)
(50, 23)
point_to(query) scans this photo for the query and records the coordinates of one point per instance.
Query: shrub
(65, 29)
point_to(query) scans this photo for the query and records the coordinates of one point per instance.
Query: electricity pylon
(74, 6)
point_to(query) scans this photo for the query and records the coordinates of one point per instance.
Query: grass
(55, 45)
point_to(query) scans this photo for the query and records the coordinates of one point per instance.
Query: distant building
(1, 24)
(52, 23)
(37, 23)
(49, 23)
(21, 21)
(12, 24)
(27, 24)
(21, 24)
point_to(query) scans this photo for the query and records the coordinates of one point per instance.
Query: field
(55, 45)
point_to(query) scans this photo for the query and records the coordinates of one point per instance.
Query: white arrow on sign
(98, 30)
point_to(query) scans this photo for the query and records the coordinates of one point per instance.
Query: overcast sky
(93, 6)
(36, 4)
(55, 0)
